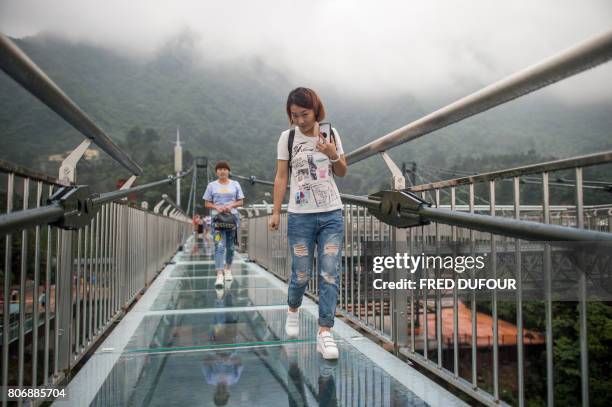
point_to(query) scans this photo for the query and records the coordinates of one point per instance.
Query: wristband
(336, 160)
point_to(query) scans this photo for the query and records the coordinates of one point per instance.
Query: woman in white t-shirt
(315, 210)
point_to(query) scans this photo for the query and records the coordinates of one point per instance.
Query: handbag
(224, 221)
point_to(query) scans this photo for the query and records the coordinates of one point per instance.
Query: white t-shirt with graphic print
(312, 186)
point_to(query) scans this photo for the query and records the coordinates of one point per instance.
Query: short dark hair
(222, 164)
(308, 99)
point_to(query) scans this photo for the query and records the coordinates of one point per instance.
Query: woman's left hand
(329, 149)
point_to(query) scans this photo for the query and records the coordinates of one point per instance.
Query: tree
(134, 137)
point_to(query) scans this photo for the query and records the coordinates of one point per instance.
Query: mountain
(235, 110)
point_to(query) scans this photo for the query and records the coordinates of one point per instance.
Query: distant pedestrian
(223, 196)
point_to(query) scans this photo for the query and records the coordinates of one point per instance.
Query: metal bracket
(67, 171)
(158, 206)
(398, 181)
(396, 206)
(129, 182)
(77, 204)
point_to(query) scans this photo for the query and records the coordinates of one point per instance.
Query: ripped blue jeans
(326, 230)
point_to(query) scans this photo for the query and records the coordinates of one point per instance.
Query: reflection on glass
(207, 270)
(193, 284)
(176, 331)
(251, 376)
(239, 297)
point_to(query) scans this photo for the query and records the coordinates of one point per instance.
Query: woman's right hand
(274, 221)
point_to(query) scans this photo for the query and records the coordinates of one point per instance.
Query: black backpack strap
(290, 145)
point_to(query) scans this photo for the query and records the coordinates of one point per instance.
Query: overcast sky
(421, 47)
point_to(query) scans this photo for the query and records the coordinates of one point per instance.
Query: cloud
(382, 47)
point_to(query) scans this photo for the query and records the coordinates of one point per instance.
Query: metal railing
(438, 330)
(74, 261)
(63, 289)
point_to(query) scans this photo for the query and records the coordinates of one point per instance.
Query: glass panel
(208, 283)
(236, 296)
(289, 374)
(207, 270)
(215, 329)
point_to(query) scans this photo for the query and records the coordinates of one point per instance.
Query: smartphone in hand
(325, 131)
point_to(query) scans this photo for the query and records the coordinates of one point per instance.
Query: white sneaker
(219, 281)
(292, 325)
(326, 345)
(228, 274)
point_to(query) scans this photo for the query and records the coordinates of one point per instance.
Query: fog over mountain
(386, 47)
(222, 74)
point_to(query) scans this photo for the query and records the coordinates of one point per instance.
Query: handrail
(556, 165)
(7, 166)
(521, 229)
(122, 193)
(17, 220)
(253, 179)
(12, 221)
(24, 71)
(581, 57)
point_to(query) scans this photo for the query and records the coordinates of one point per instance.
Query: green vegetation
(566, 351)
(235, 110)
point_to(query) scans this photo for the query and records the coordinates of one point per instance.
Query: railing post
(146, 248)
(399, 298)
(63, 311)
(125, 265)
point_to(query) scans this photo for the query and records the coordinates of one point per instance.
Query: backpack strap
(290, 146)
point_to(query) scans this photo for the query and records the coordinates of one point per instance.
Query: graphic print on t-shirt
(223, 194)
(313, 172)
(323, 193)
(303, 146)
(312, 185)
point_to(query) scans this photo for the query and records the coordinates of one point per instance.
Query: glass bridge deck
(186, 343)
